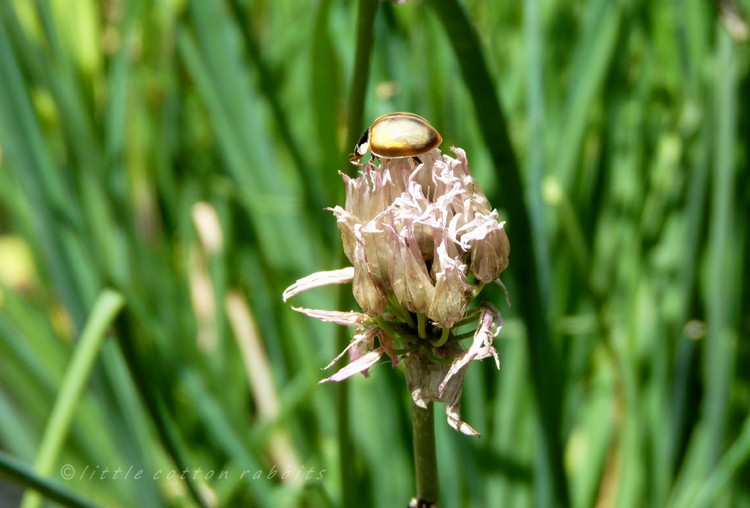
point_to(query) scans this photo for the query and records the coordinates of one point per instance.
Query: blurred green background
(181, 152)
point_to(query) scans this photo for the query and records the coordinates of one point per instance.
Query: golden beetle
(397, 135)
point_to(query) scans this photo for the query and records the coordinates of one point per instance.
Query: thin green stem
(472, 316)
(422, 320)
(399, 310)
(405, 350)
(477, 289)
(343, 436)
(387, 328)
(74, 383)
(463, 336)
(445, 333)
(425, 456)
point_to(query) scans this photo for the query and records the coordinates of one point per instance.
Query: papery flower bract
(422, 240)
(434, 382)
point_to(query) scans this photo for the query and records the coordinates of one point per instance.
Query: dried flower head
(423, 241)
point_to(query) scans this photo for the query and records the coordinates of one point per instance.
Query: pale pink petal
(455, 226)
(463, 359)
(358, 338)
(489, 247)
(453, 197)
(335, 316)
(388, 187)
(371, 299)
(386, 190)
(358, 192)
(367, 292)
(461, 167)
(411, 281)
(481, 347)
(452, 398)
(494, 354)
(400, 170)
(378, 251)
(317, 279)
(389, 345)
(452, 290)
(364, 340)
(361, 365)
(346, 223)
(413, 208)
(423, 174)
(496, 316)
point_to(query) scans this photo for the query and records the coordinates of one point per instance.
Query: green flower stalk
(423, 241)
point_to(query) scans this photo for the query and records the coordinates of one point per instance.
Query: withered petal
(317, 279)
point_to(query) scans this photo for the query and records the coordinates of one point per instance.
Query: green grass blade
(142, 366)
(44, 187)
(15, 432)
(106, 308)
(244, 147)
(703, 494)
(593, 59)
(314, 192)
(22, 474)
(535, 159)
(326, 90)
(223, 434)
(724, 290)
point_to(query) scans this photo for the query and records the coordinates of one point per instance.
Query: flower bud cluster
(427, 234)
(423, 241)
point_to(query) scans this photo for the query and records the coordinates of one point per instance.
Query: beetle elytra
(397, 135)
